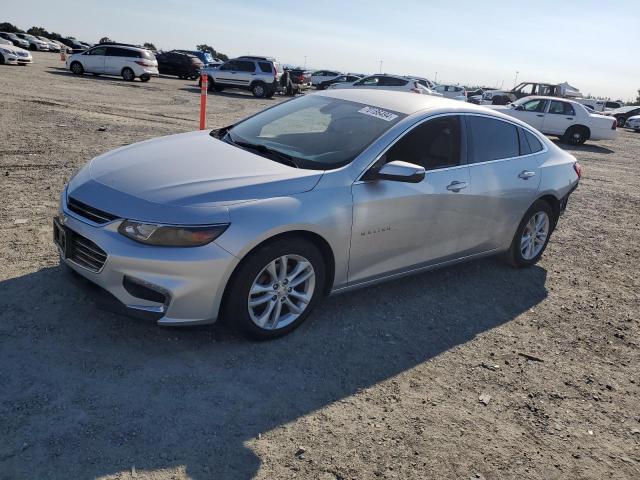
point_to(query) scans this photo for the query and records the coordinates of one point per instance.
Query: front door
(94, 60)
(532, 112)
(398, 226)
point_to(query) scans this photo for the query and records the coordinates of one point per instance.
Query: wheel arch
(320, 242)
(554, 203)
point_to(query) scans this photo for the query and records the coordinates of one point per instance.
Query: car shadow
(102, 78)
(87, 393)
(228, 94)
(587, 147)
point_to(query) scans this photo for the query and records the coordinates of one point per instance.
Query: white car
(322, 76)
(53, 46)
(452, 91)
(34, 42)
(12, 55)
(385, 81)
(633, 122)
(128, 61)
(561, 117)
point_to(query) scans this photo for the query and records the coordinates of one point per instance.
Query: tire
(575, 135)
(128, 75)
(1, 59)
(272, 294)
(145, 78)
(621, 122)
(218, 88)
(76, 68)
(95, 74)
(33, 47)
(522, 254)
(259, 90)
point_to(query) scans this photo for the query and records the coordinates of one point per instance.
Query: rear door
(228, 73)
(504, 166)
(397, 225)
(559, 117)
(116, 59)
(246, 72)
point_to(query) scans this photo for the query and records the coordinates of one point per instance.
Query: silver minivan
(127, 61)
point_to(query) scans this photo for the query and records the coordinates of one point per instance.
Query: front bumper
(189, 282)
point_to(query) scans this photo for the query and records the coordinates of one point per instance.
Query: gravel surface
(476, 371)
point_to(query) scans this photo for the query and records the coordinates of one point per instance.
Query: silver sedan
(337, 190)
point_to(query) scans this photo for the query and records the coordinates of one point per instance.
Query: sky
(588, 43)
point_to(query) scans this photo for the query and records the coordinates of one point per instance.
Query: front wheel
(1, 59)
(532, 236)
(128, 75)
(77, 68)
(275, 289)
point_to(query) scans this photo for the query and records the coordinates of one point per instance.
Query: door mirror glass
(399, 171)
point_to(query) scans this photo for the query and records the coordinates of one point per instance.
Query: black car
(340, 79)
(74, 45)
(622, 114)
(182, 65)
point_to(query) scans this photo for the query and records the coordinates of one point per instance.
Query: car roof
(404, 102)
(548, 97)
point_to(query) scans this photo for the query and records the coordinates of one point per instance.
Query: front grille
(86, 253)
(86, 211)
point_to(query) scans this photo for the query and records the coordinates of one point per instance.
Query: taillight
(578, 168)
(615, 125)
(142, 63)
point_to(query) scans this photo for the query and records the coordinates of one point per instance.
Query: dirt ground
(384, 382)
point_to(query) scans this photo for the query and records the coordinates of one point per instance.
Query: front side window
(316, 132)
(561, 108)
(369, 81)
(433, 144)
(526, 89)
(97, 51)
(229, 66)
(534, 105)
(492, 139)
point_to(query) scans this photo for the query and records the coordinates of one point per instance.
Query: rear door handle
(527, 174)
(456, 186)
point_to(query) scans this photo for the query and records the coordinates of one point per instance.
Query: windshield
(316, 132)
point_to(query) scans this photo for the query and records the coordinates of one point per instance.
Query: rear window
(265, 67)
(492, 139)
(148, 55)
(534, 143)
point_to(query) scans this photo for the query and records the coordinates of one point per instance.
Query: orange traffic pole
(203, 100)
(63, 57)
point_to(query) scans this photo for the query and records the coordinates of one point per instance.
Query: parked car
(300, 77)
(452, 91)
(259, 75)
(128, 61)
(12, 55)
(34, 42)
(624, 113)
(181, 65)
(340, 79)
(386, 81)
(74, 45)
(17, 41)
(4, 41)
(256, 222)
(320, 76)
(561, 117)
(205, 57)
(53, 47)
(527, 89)
(634, 123)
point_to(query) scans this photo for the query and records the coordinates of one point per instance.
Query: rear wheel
(275, 289)
(218, 88)
(621, 121)
(532, 235)
(575, 135)
(144, 78)
(128, 75)
(259, 90)
(77, 68)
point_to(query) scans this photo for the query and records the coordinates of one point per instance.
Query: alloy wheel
(281, 292)
(534, 235)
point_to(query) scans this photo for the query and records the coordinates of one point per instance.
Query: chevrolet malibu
(256, 222)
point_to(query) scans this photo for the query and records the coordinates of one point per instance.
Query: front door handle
(526, 174)
(540, 115)
(456, 186)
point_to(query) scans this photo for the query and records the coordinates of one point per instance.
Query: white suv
(452, 91)
(128, 61)
(260, 75)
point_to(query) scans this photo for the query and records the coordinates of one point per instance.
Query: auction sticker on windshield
(379, 113)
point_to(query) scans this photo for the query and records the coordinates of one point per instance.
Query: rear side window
(121, 52)
(265, 67)
(244, 66)
(432, 144)
(492, 139)
(561, 108)
(534, 143)
(392, 82)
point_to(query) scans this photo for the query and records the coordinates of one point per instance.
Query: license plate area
(61, 237)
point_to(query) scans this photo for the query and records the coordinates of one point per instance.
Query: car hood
(190, 170)
(13, 48)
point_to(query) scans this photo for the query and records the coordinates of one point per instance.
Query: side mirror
(399, 171)
(520, 107)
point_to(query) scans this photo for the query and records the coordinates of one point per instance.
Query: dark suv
(259, 75)
(181, 65)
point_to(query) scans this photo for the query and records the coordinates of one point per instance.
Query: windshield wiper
(263, 149)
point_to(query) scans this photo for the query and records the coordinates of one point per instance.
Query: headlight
(171, 235)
